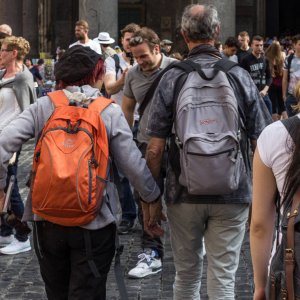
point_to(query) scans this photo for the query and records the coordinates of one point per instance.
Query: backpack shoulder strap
(116, 58)
(289, 63)
(224, 65)
(153, 87)
(58, 98)
(100, 103)
(189, 66)
(291, 125)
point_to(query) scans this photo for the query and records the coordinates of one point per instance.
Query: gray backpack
(207, 131)
(284, 278)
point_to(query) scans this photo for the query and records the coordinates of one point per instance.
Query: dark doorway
(282, 17)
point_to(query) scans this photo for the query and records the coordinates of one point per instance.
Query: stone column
(226, 10)
(101, 15)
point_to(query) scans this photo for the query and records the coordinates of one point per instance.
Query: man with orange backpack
(73, 201)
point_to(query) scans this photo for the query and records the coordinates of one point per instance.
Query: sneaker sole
(153, 272)
(16, 252)
(4, 245)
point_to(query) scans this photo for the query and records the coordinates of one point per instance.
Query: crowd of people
(153, 156)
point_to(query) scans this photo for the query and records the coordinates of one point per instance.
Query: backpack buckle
(73, 128)
(289, 255)
(178, 142)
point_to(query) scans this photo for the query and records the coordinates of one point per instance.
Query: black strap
(119, 270)
(116, 58)
(152, 88)
(292, 125)
(225, 65)
(289, 63)
(89, 253)
(119, 273)
(277, 205)
(189, 66)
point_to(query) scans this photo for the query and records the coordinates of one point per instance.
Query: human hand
(153, 215)
(263, 93)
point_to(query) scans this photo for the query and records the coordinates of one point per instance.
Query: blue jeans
(127, 201)
(289, 102)
(17, 205)
(268, 103)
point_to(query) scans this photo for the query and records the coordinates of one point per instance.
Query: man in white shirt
(81, 33)
(115, 75)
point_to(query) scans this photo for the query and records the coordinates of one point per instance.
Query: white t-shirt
(294, 73)
(93, 45)
(9, 107)
(110, 68)
(273, 146)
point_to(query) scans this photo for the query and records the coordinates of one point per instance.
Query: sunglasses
(137, 40)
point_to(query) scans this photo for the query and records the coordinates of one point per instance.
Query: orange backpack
(70, 163)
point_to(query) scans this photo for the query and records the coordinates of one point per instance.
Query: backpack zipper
(212, 154)
(90, 181)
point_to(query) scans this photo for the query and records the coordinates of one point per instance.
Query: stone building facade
(50, 23)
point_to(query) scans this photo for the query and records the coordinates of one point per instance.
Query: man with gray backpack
(205, 110)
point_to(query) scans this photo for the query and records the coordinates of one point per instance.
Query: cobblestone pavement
(20, 277)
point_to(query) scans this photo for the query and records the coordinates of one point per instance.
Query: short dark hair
(40, 61)
(232, 42)
(132, 28)
(296, 38)
(145, 35)
(257, 38)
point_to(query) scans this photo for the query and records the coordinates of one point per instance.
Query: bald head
(200, 23)
(197, 9)
(6, 29)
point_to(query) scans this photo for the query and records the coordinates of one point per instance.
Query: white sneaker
(5, 240)
(147, 265)
(16, 247)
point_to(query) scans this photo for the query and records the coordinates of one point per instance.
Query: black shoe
(125, 226)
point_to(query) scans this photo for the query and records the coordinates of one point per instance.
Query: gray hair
(200, 26)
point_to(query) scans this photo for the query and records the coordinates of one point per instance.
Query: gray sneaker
(16, 247)
(147, 265)
(6, 240)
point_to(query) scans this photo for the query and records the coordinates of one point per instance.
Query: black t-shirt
(259, 70)
(242, 53)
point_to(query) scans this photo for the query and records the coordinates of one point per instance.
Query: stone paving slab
(20, 278)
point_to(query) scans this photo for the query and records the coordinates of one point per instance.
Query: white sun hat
(104, 38)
